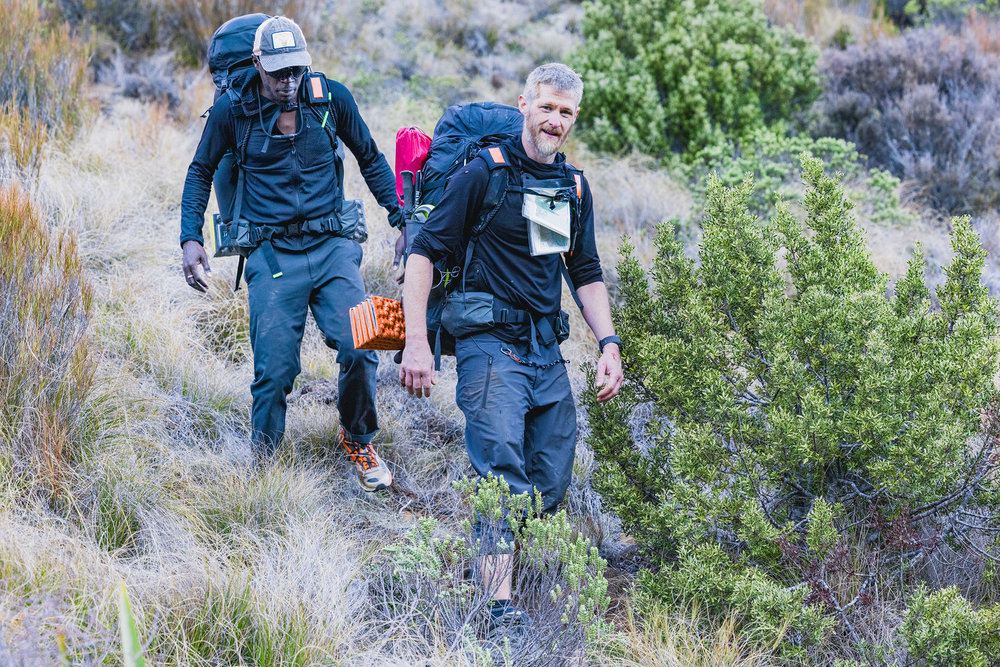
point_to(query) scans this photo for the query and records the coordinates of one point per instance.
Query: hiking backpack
(464, 132)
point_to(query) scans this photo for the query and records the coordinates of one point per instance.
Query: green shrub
(558, 578)
(797, 411)
(772, 159)
(683, 75)
(942, 628)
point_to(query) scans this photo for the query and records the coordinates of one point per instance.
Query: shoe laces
(363, 455)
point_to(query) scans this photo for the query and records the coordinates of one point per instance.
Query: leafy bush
(772, 159)
(45, 366)
(942, 628)
(773, 418)
(682, 75)
(43, 66)
(558, 579)
(922, 106)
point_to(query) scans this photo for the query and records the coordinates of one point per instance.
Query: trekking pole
(408, 200)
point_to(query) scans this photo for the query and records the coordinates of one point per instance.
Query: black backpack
(464, 132)
(230, 49)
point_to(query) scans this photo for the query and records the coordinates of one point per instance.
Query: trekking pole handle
(408, 201)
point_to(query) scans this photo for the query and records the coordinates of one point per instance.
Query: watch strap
(609, 339)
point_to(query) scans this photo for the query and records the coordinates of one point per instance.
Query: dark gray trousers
(520, 420)
(324, 278)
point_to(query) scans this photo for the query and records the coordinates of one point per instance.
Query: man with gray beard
(512, 381)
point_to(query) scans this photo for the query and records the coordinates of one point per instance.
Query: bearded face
(548, 119)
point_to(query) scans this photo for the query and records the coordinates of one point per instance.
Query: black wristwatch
(610, 339)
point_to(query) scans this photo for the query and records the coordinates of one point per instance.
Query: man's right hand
(195, 265)
(416, 372)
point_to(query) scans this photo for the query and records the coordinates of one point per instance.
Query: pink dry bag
(412, 144)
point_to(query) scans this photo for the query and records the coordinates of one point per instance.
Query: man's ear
(522, 104)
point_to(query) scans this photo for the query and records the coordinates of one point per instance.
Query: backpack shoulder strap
(320, 99)
(574, 224)
(496, 188)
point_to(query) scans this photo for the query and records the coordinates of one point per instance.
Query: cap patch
(283, 40)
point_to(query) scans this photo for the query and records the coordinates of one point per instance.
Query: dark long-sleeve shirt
(502, 262)
(288, 178)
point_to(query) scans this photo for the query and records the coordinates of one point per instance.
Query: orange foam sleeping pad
(377, 324)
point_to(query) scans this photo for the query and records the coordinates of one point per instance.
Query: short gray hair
(559, 76)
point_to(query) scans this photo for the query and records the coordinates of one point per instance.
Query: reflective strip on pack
(317, 88)
(497, 156)
(579, 185)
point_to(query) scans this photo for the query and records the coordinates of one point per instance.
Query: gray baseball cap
(279, 44)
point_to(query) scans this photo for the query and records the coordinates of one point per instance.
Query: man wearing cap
(284, 136)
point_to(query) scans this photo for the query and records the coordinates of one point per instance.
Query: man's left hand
(609, 373)
(398, 266)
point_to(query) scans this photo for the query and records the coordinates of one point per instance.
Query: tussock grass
(43, 66)
(683, 638)
(190, 23)
(45, 365)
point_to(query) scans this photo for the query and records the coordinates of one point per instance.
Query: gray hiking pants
(520, 420)
(324, 278)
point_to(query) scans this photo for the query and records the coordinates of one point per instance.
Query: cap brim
(276, 61)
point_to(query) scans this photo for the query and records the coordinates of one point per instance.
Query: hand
(195, 265)
(416, 372)
(609, 373)
(398, 265)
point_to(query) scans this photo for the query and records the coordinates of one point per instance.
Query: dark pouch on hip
(466, 313)
(561, 322)
(352, 221)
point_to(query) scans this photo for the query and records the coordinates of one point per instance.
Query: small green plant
(131, 645)
(558, 578)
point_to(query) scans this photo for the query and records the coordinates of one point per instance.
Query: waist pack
(241, 237)
(467, 313)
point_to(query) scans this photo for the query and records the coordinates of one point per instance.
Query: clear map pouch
(546, 208)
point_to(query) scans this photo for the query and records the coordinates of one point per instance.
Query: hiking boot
(506, 617)
(373, 473)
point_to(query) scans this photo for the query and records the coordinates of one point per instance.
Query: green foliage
(684, 75)
(942, 628)
(947, 11)
(772, 159)
(131, 645)
(795, 405)
(232, 628)
(558, 576)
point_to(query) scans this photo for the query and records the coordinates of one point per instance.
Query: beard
(546, 144)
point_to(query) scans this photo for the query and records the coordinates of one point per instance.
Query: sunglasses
(288, 73)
